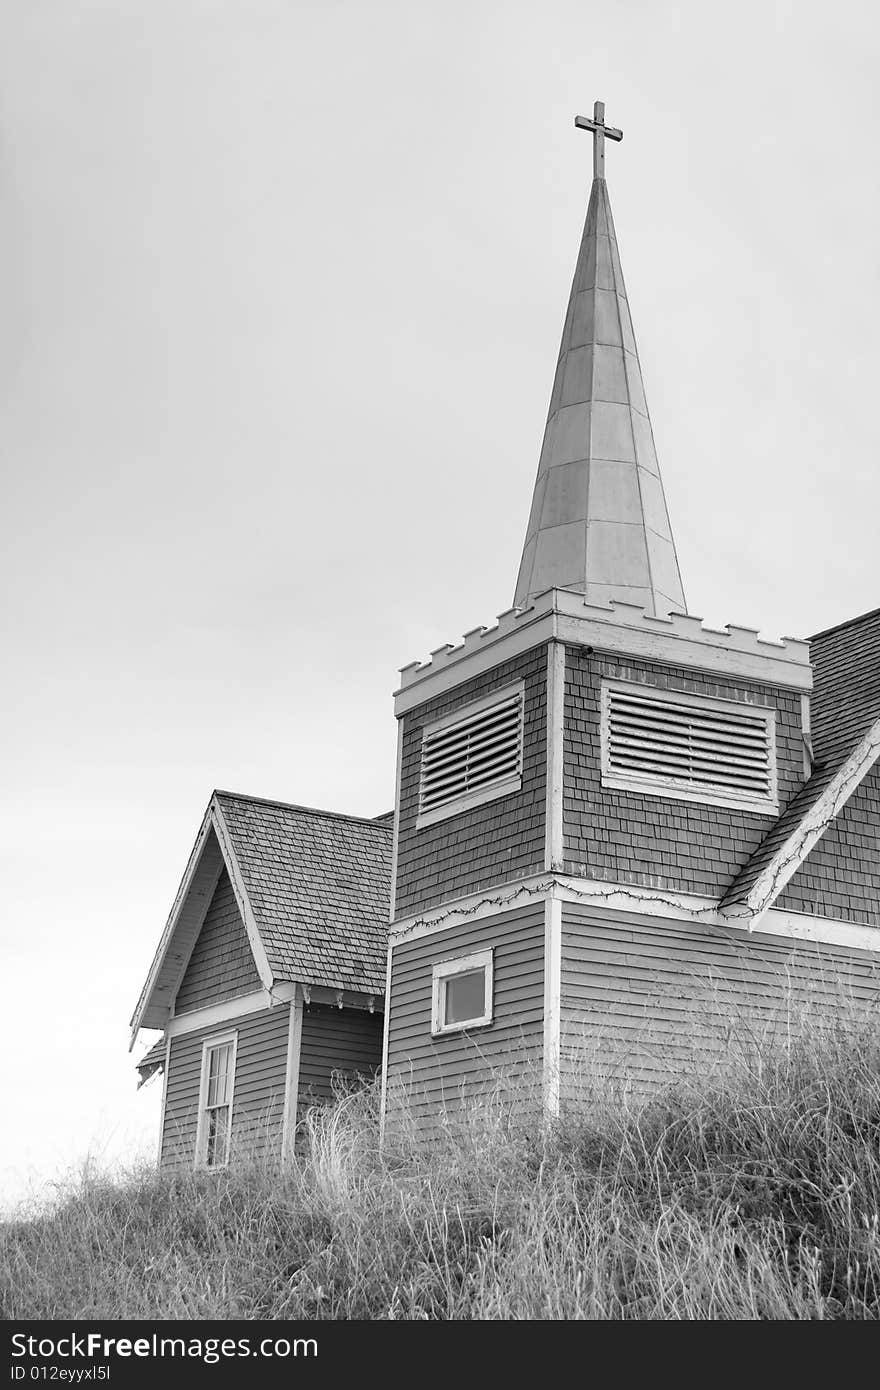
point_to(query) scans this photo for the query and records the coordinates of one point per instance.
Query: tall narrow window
(215, 1102)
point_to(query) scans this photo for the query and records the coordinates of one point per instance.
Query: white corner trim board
(552, 1002)
(553, 836)
(395, 833)
(794, 850)
(291, 1078)
(386, 1026)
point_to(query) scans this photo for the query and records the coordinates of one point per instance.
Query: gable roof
(845, 717)
(319, 885)
(313, 888)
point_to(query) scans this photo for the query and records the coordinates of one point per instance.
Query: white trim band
(628, 897)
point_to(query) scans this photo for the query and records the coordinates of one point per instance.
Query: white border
(213, 1014)
(219, 1040)
(467, 800)
(680, 790)
(446, 970)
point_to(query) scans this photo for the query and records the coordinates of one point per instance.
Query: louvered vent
(699, 750)
(471, 759)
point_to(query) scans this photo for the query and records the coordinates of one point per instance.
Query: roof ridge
(847, 622)
(306, 810)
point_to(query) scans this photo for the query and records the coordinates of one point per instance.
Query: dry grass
(751, 1194)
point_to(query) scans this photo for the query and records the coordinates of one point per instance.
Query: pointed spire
(599, 524)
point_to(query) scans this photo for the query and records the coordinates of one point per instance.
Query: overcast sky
(282, 289)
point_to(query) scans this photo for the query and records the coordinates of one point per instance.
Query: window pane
(219, 1068)
(223, 1069)
(464, 997)
(218, 1125)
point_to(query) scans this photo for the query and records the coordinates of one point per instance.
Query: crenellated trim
(620, 628)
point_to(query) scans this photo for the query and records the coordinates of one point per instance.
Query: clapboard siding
(337, 1046)
(488, 844)
(222, 963)
(258, 1097)
(626, 836)
(432, 1073)
(646, 999)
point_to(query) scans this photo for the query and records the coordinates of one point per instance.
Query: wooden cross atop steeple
(600, 131)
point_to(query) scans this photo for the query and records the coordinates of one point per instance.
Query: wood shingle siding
(841, 875)
(337, 1044)
(644, 998)
(258, 1099)
(488, 844)
(222, 963)
(627, 836)
(433, 1072)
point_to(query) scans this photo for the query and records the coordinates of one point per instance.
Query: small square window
(462, 995)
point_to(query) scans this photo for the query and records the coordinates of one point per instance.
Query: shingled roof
(845, 706)
(319, 884)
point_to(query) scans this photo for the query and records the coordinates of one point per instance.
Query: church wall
(841, 875)
(258, 1096)
(222, 963)
(631, 837)
(488, 844)
(646, 1000)
(345, 1043)
(426, 1072)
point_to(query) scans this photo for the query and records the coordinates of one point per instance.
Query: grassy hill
(752, 1195)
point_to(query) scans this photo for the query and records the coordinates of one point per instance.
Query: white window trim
(219, 1040)
(468, 800)
(672, 789)
(462, 965)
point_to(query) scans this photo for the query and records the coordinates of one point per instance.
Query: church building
(618, 834)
